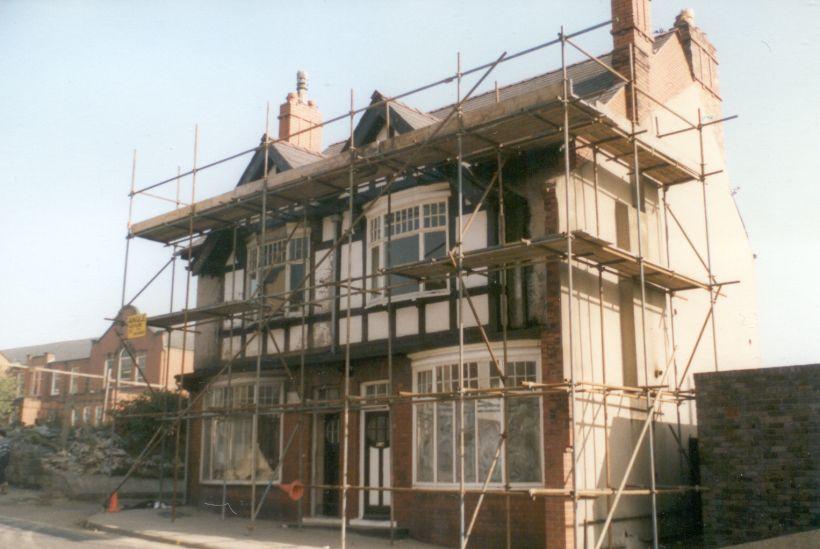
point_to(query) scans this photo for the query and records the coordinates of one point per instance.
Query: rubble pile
(37, 451)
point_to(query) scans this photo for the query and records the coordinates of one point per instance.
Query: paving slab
(200, 528)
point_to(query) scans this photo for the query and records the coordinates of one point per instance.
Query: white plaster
(407, 321)
(377, 325)
(437, 316)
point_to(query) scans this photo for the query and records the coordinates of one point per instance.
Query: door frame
(362, 441)
(318, 421)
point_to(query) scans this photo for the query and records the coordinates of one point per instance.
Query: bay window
(283, 264)
(227, 452)
(436, 423)
(416, 230)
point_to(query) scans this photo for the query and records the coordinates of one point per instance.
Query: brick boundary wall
(759, 438)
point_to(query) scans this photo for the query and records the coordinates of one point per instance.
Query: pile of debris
(37, 451)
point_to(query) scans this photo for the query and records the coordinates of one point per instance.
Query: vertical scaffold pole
(349, 275)
(390, 331)
(505, 316)
(636, 174)
(109, 394)
(227, 402)
(261, 318)
(708, 242)
(460, 312)
(175, 488)
(570, 289)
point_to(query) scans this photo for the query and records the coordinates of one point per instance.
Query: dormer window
(415, 230)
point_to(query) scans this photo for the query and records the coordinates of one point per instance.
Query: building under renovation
(476, 325)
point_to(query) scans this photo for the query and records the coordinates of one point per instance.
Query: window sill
(259, 482)
(382, 301)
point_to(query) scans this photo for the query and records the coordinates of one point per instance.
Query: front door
(377, 463)
(330, 496)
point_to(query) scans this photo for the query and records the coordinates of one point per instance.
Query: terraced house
(78, 383)
(481, 321)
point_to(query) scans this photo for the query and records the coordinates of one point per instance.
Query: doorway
(376, 452)
(327, 469)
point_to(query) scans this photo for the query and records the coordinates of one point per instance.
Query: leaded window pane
(424, 441)
(444, 447)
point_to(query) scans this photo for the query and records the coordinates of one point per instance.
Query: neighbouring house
(379, 299)
(65, 381)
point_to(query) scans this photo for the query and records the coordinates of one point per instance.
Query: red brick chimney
(632, 26)
(298, 113)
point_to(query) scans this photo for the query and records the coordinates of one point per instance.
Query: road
(17, 532)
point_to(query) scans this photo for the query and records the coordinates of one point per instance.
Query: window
(110, 369)
(98, 415)
(226, 449)
(21, 384)
(126, 366)
(87, 415)
(283, 266)
(416, 232)
(73, 385)
(375, 390)
(127, 370)
(72, 417)
(55, 384)
(36, 382)
(436, 425)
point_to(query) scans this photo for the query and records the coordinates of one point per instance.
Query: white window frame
(300, 233)
(87, 415)
(98, 415)
(72, 417)
(74, 381)
(377, 237)
(517, 351)
(55, 384)
(36, 383)
(238, 382)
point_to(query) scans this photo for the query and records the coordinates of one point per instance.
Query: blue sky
(85, 83)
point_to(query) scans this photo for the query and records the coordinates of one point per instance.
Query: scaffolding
(548, 116)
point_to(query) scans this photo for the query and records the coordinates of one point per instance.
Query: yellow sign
(136, 326)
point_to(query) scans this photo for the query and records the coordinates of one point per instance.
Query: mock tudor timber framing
(546, 116)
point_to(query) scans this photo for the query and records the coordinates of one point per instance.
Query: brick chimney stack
(298, 113)
(700, 53)
(632, 26)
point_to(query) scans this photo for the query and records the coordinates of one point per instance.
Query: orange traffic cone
(113, 504)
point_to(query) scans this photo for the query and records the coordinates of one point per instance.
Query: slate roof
(588, 79)
(62, 350)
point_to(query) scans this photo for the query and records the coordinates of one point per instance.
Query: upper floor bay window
(436, 422)
(283, 266)
(415, 229)
(227, 450)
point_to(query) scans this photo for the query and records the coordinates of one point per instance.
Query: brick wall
(759, 437)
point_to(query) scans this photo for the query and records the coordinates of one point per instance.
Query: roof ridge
(297, 147)
(525, 80)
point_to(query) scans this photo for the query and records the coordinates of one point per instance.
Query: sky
(85, 84)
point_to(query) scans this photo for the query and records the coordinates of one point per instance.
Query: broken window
(227, 451)
(437, 425)
(283, 268)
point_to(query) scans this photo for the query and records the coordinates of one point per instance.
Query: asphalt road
(17, 532)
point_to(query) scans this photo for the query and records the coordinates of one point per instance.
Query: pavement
(30, 518)
(33, 518)
(195, 527)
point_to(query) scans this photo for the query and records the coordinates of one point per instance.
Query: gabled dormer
(373, 125)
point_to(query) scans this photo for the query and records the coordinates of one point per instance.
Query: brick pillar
(558, 512)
